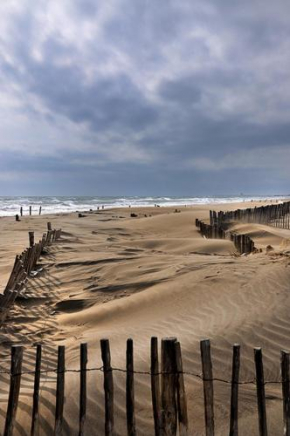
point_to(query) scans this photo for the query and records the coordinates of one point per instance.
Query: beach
(117, 276)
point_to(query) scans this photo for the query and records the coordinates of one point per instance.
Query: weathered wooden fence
(277, 215)
(169, 400)
(24, 265)
(30, 211)
(243, 243)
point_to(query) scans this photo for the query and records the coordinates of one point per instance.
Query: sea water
(57, 204)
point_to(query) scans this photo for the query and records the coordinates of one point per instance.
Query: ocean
(11, 205)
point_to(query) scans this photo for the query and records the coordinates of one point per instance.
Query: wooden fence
(24, 265)
(277, 215)
(168, 390)
(30, 211)
(243, 243)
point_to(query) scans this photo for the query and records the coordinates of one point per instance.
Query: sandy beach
(116, 276)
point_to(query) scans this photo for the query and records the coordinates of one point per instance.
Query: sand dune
(117, 277)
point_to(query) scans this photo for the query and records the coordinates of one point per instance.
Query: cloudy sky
(139, 97)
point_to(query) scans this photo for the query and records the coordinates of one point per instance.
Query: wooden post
(59, 391)
(235, 391)
(207, 386)
(168, 387)
(31, 239)
(83, 387)
(17, 218)
(31, 259)
(130, 406)
(261, 399)
(181, 395)
(35, 406)
(21, 210)
(43, 242)
(30, 210)
(15, 379)
(108, 387)
(39, 210)
(155, 386)
(15, 270)
(49, 226)
(285, 391)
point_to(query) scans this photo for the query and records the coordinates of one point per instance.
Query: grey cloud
(106, 103)
(181, 91)
(161, 83)
(86, 8)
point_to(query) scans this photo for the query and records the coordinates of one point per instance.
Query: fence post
(49, 226)
(39, 210)
(30, 210)
(21, 210)
(235, 391)
(130, 406)
(15, 379)
(35, 406)
(108, 387)
(207, 386)
(155, 386)
(261, 399)
(181, 395)
(168, 387)
(83, 387)
(285, 391)
(59, 391)
(31, 239)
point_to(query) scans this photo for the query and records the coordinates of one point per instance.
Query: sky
(143, 97)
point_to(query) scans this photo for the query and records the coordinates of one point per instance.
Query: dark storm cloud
(105, 104)
(154, 89)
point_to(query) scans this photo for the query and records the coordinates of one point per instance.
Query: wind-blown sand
(117, 277)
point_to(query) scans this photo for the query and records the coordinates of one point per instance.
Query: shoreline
(158, 203)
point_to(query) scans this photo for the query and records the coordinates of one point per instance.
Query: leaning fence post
(15, 379)
(83, 387)
(181, 395)
(108, 387)
(168, 387)
(261, 398)
(235, 391)
(285, 391)
(155, 386)
(35, 405)
(39, 210)
(207, 386)
(130, 406)
(59, 391)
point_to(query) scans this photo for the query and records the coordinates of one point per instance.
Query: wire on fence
(125, 371)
